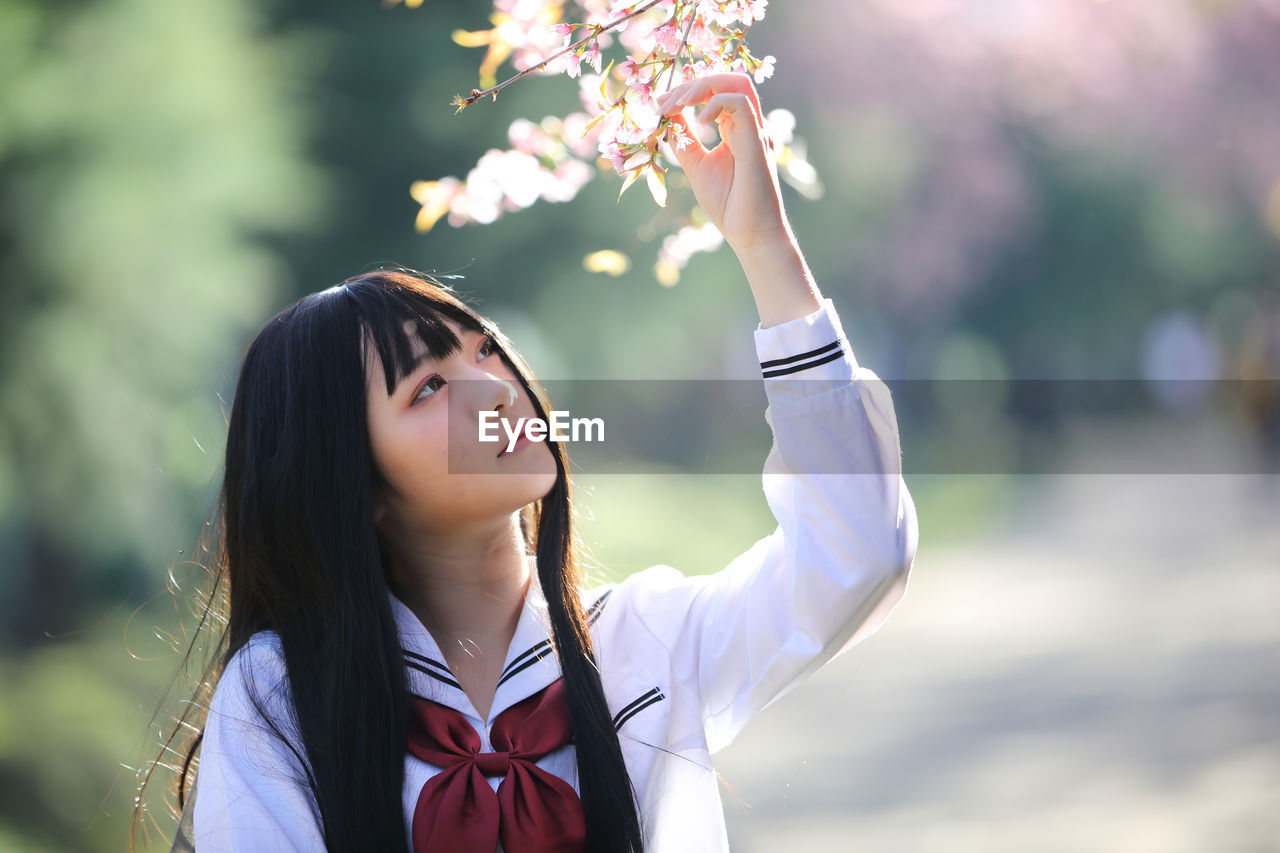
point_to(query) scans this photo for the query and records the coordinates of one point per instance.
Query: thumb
(693, 151)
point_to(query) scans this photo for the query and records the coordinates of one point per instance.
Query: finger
(727, 103)
(693, 152)
(704, 88)
(669, 101)
(736, 121)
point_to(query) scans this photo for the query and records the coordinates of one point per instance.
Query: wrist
(766, 246)
(780, 281)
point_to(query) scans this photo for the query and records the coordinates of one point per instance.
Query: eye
(434, 383)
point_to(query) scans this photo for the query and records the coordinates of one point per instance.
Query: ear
(380, 510)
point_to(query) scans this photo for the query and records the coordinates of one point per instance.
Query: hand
(736, 182)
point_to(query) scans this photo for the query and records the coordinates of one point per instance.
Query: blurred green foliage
(147, 149)
(171, 174)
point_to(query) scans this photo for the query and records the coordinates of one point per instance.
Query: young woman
(409, 662)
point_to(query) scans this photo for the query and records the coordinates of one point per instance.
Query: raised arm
(847, 532)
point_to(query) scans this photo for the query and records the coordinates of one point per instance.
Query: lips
(521, 441)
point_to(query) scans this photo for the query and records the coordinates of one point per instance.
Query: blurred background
(1015, 191)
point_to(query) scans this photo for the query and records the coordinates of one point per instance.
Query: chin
(530, 487)
(535, 481)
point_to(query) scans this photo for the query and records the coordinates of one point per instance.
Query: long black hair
(292, 548)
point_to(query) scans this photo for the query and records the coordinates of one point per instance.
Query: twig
(684, 39)
(476, 94)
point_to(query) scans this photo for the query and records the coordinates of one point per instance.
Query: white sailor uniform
(685, 661)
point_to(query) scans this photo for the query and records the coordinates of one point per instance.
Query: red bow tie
(532, 810)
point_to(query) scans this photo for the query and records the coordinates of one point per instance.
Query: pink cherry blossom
(527, 137)
(566, 180)
(704, 38)
(678, 138)
(589, 92)
(618, 122)
(644, 116)
(727, 13)
(781, 124)
(679, 247)
(630, 70)
(611, 149)
(668, 37)
(642, 93)
(765, 70)
(577, 139)
(692, 71)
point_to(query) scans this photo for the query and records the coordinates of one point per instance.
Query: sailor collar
(530, 665)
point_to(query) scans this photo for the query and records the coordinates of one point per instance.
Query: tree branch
(680, 50)
(476, 94)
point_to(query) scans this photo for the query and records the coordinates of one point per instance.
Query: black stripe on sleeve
(651, 698)
(593, 612)
(782, 371)
(789, 359)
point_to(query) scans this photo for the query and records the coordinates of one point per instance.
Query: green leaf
(594, 122)
(631, 179)
(604, 79)
(657, 184)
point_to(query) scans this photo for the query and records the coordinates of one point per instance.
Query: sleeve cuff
(809, 347)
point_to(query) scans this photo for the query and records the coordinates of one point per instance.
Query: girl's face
(425, 440)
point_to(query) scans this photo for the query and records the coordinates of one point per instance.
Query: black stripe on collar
(519, 660)
(438, 676)
(541, 649)
(428, 661)
(538, 652)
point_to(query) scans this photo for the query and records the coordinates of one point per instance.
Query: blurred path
(1103, 674)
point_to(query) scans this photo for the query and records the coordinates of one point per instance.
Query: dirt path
(1101, 675)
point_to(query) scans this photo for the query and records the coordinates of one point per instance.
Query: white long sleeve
(836, 564)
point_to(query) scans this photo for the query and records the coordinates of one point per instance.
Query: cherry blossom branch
(741, 36)
(553, 159)
(476, 94)
(675, 60)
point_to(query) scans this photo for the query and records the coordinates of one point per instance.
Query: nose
(504, 393)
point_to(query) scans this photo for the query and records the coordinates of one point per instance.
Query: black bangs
(393, 311)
